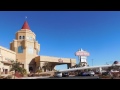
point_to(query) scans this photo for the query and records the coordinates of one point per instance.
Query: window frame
(20, 49)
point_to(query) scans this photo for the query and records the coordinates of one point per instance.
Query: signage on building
(83, 60)
(8, 59)
(82, 53)
(60, 60)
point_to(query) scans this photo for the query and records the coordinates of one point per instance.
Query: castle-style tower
(25, 46)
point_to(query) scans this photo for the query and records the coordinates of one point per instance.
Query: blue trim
(20, 49)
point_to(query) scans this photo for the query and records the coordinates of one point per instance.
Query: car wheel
(89, 75)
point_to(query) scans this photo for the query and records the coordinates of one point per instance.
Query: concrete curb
(34, 77)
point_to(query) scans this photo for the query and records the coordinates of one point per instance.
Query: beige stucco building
(6, 56)
(25, 49)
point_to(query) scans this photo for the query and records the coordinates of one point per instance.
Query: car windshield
(91, 71)
(58, 72)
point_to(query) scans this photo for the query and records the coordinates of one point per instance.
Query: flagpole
(25, 18)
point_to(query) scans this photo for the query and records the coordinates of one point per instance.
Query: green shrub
(1, 77)
(39, 71)
(9, 77)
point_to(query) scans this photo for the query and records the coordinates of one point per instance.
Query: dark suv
(105, 73)
(66, 74)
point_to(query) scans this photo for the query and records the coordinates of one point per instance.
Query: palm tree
(114, 67)
(39, 71)
(75, 66)
(47, 66)
(23, 71)
(16, 67)
(78, 65)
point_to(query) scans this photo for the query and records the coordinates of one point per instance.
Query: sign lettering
(60, 60)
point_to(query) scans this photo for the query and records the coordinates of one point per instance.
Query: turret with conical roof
(25, 26)
(25, 46)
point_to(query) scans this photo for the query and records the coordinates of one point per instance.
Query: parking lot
(74, 77)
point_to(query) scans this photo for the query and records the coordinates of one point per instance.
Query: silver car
(58, 74)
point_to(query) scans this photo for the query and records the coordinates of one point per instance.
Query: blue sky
(62, 33)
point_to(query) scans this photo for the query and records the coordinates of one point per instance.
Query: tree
(23, 71)
(114, 67)
(16, 67)
(76, 66)
(39, 71)
(47, 66)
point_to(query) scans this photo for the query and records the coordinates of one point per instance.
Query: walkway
(35, 77)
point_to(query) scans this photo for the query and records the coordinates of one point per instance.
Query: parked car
(97, 72)
(66, 74)
(89, 73)
(105, 73)
(80, 73)
(58, 74)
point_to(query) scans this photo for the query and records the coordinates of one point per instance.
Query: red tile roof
(25, 26)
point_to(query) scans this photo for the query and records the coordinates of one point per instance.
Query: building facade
(25, 49)
(6, 56)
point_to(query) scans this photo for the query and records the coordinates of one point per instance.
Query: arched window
(23, 37)
(20, 37)
(20, 49)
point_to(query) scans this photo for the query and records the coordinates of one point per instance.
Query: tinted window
(58, 72)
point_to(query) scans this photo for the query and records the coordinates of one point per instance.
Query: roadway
(74, 77)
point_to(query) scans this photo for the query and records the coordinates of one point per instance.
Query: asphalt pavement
(74, 77)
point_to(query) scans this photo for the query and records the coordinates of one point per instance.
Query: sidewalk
(34, 77)
(71, 75)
